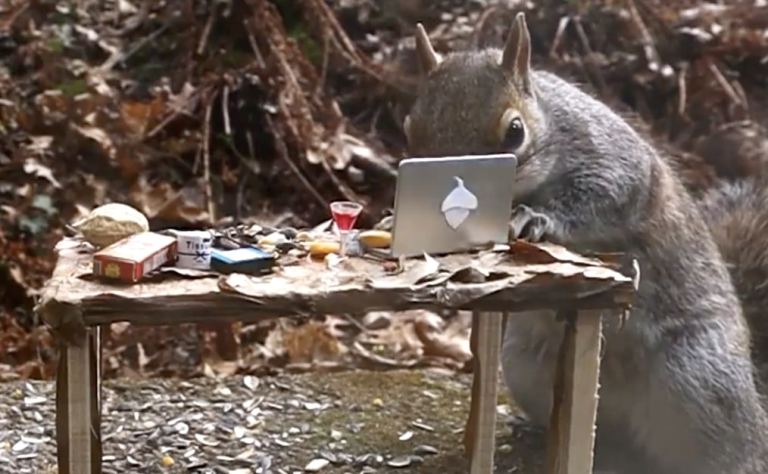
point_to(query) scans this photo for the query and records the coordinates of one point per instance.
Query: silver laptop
(452, 204)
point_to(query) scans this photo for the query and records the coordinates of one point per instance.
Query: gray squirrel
(678, 390)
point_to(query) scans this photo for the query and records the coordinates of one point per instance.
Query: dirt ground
(361, 422)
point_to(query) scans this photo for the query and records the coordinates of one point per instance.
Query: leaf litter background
(201, 112)
(226, 111)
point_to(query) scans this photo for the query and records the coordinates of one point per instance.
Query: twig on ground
(561, 26)
(481, 25)
(7, 23)
(737, 87)
(327, 17)
(589, 53)
(324, 68)
(254, 46)
(171, 117)
(682, 85)
(201, 45)
(225, 110)
(649, 47)
(724, 84)
(122, 56)
(355, 322)
(207, 157)
(321, 14)
(379, 360)
(342, 187)
(240, 197)
(282, 152)
(251, 149)
(374, 166)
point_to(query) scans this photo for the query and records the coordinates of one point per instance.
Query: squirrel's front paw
(385, 224)
(528, 224)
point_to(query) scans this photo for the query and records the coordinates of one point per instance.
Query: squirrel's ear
(516, 60)
(424, 50)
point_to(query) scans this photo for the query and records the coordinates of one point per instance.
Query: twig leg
(480, 432)
(572, 429)
(78, 406)
(95, 387)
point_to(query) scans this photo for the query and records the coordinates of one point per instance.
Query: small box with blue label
(249, 260)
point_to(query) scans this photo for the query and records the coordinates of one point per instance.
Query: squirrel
(678, 390)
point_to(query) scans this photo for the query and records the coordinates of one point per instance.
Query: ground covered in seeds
(352, 422)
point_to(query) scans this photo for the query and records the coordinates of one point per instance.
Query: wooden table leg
(96, 448)
(480, 432)
(78, 406)
(572, 428)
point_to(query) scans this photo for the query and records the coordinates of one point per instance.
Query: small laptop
(452, 204)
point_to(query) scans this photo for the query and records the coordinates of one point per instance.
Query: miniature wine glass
(345, 214)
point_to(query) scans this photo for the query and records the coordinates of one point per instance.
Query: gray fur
(737, 214)
(677, 382)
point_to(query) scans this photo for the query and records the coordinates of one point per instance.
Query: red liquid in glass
(344, 219)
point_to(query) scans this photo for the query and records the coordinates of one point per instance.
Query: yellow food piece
(376, 238)
(323, 247)
(167, 461)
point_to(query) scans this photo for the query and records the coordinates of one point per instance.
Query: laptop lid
(450, 204)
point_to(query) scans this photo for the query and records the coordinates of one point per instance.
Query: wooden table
(492, 284)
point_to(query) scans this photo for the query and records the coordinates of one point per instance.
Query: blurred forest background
(202, 112)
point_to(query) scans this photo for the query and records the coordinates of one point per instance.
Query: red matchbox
(134, 257)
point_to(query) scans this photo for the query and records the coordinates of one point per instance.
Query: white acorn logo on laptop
(458, 204)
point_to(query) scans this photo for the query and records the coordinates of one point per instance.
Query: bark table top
(508, 278)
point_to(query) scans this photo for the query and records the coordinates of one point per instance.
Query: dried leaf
(436, 343)
(141, 117)
(547, 253)
(99, 136)
(311, 342)
(126, 7)
(415, 272)
(33, 167)
(162, 201)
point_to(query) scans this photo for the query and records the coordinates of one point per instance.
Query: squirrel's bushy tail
(737, 214)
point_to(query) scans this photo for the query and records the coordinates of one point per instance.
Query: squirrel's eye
(514, 136)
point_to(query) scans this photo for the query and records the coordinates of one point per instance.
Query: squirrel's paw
(385, 224)
(528, 224)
